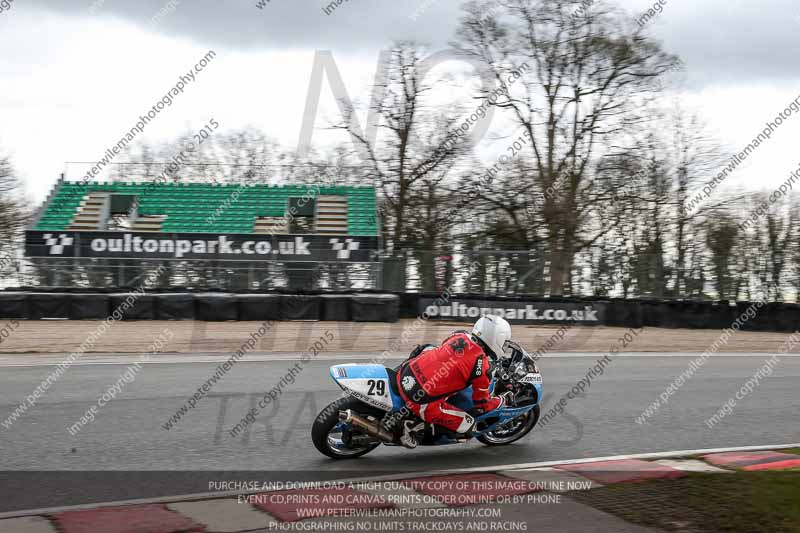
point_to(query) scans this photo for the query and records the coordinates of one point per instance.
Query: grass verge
(752, 502)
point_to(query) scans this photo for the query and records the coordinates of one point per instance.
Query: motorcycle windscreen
(368, 383)
(534, 379)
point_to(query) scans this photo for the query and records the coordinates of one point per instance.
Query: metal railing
(501, 272)
(223, 275)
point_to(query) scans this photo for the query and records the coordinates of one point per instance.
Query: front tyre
(330, 435)
(514, 430)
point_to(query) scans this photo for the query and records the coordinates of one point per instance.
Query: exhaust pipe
(370, 428)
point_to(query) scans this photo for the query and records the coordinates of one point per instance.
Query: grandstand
(85, 233)
(199, 207)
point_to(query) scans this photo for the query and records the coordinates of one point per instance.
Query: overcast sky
(71, 82)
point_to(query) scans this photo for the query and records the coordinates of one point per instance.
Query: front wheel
(336, 439)
(513, 430)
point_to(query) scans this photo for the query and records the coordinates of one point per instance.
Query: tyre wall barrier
(301, 307)
(259, 307)
(90, 306)
(654, 314)
(375, 308)
(337, 307)
(175, 306)
(382, 307)
(45, 305)
(133, 307)
(14, 305)
(620, 313)
(214, 307)
(785, 317)
(775, 316)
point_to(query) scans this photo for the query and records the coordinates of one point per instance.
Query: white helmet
(494, 332)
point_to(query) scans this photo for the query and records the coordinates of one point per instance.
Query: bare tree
(770, 243)
(721, 236)
(416, 150)
(693, 156)
(13, 215)
(581, 81)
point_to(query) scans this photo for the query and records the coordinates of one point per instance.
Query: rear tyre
(326, 432)
(502, 437)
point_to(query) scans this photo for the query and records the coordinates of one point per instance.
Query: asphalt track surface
(42, 465)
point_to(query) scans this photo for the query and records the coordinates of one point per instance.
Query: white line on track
(230, 494)
(27, 360)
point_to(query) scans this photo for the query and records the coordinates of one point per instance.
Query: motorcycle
(372, 412)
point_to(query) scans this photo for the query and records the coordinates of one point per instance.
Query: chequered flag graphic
(343, 249)
(57, 244)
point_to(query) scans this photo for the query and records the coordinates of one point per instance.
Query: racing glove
(419, 349)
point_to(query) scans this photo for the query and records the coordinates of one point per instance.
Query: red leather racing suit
(426, 381)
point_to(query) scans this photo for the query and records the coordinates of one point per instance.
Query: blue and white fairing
(368, 383)
(535, 379)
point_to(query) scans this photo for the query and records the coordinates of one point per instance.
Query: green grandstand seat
(188, 206)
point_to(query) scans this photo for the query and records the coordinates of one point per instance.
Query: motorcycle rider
(432, 374)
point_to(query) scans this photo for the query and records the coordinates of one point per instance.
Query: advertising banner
(208, 246)
(515, 311)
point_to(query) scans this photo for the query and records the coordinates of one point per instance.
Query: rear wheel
(513, 430)
(338, 440)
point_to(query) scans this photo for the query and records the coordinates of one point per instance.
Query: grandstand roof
(209, 208)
